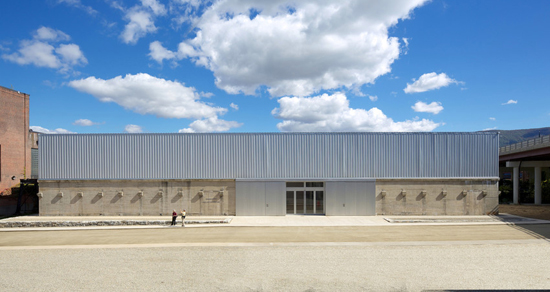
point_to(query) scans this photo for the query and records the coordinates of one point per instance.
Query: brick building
(15, 147)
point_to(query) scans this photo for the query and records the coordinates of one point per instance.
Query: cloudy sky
(111, 66)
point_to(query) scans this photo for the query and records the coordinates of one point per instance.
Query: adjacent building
(15, 148)
(274, 174)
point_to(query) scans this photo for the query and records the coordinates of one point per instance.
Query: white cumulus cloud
(373, 97)
(133, 129)
(293, 47)
(331, 113)
(84, 122)
(159, 53)
(434, 107)
(46, 131)
(141, 20)
(234, 106)
(429, 81)
(145, 94)
(212, 124)
(50, 34)
(44, 51)
(511, 101)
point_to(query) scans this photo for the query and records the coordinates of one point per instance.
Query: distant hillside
(508, 137)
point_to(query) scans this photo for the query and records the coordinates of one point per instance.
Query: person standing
(183, 213)
(174, 217)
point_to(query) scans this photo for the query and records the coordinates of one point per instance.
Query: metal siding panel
(358, 196)
(335, 198)
(250, 198)
(271, 155)
(275, 197)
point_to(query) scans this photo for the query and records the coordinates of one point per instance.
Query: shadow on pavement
(539, 231)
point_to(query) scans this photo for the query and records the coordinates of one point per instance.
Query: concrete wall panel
(436, 197)
(122, 197)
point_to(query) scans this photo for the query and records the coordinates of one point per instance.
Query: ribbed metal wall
(267, 155)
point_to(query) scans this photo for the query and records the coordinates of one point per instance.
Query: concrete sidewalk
(123, 222)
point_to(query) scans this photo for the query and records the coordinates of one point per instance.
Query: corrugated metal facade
(34, 163)
(267, 155)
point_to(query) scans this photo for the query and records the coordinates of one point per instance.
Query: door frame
(305, 189)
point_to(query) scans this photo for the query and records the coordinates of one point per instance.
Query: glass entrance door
(305, 198)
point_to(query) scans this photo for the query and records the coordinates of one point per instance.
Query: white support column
(538, 186)
(515, 180)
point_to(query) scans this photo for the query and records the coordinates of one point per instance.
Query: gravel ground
(279, 268)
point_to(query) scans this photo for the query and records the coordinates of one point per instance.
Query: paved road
(409, 258)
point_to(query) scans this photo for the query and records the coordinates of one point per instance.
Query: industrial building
(15, 150)
(16, 146)
(273, 174)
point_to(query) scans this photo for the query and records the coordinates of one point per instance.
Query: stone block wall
(15, 153)
(137, 197)
(436, 197)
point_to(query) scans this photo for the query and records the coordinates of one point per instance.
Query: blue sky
(106, 66)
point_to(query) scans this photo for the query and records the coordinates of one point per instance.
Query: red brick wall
(15, 156)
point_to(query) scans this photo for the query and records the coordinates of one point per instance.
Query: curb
(22, 224)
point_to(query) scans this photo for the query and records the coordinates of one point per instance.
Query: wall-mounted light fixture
(383, 193)
(60, 194)
(484, 193)
(40, 195)
(444, 193)
(100, 194)
(80, 195)
(121, 193)
(140, 194)
(403, 193)
(423, 193)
